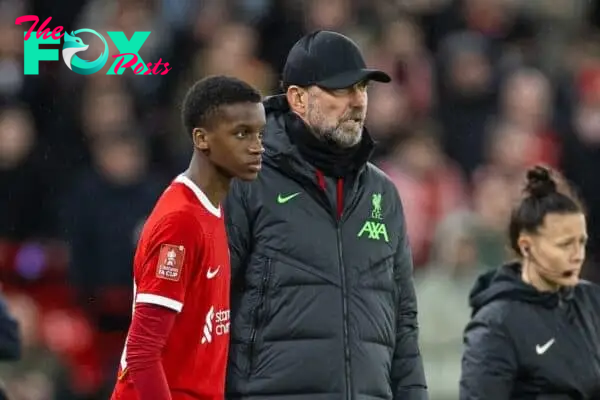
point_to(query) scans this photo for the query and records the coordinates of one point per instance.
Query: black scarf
(324, 155)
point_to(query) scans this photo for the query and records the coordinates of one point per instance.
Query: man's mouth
(255, 166)
(357, 120)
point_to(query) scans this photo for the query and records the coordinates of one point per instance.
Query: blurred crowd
(482, 89)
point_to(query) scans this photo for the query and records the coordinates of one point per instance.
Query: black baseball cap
(329, 60)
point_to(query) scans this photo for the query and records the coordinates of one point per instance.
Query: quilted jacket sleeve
(408, 376)
(239, 230)
(489, 362)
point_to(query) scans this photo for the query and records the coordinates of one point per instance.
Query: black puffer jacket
(323, 307)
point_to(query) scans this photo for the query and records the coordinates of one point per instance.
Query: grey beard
(342, 139)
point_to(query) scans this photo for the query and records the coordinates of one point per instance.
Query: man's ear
(297, 98)
(199, 136)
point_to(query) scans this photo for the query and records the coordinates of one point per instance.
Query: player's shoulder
(173, 205)
(183, 206)
(588, 293)
(184, 196)
(177, 195)
(376, 176)
(378, 182)
(164, 224)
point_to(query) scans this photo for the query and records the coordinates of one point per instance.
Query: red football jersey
(182, 263)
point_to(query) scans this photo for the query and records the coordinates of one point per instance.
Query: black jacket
(525, 344)
(10, 337)
(10, 340)
(322, 308)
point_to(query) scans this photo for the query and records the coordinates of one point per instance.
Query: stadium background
(482, 89)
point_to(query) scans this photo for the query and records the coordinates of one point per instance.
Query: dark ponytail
(545, 192)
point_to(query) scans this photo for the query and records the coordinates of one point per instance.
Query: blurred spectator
(493, 196)
(527, 103)
(36, 375)
(510, 149)
(332, 15)
(429, 184)
(389, 117)
(128, 16)
(278, 30)
(104, 211)
(582, 152)
(232, 51)
(117, 112)
(403, 54)
(210, 15)
(11, 64)
(442, 290)
(468, 82)
(102, 216)
(22, 214)
(526, 99)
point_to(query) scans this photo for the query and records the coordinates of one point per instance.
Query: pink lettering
(57, 31)
(43, 31)
(156, 69)
(138, 69)
(148, 71)
(167, 69)
(28, 18)
(129, 63)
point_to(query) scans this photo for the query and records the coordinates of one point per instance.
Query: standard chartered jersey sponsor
(216, 323)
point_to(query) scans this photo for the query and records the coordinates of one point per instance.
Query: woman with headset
(535, 326)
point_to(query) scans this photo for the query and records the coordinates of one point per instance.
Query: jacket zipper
(347, 367)
(260, 309)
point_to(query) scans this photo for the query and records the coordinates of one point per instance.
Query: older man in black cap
(323, 303)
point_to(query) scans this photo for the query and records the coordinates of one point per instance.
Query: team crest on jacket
(374, 228)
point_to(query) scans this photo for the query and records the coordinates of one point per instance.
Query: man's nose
(359, 99)
(257, 147)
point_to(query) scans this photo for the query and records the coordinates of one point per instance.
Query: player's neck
(208, 178)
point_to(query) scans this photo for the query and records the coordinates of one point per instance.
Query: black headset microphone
(548, 272)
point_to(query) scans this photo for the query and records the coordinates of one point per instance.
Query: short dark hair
(204, 98)
(545, 192)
